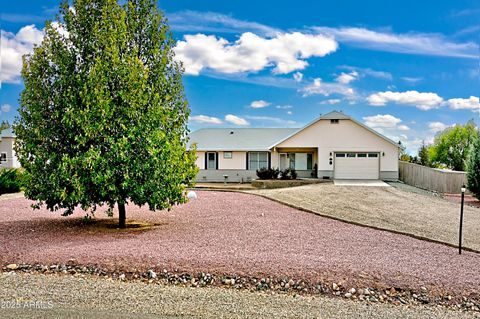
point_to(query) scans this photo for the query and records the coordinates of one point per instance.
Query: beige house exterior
(8, 159)
(334, 146)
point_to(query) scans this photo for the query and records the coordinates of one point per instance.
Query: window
(211, 160)
(340, 155)
(227, 155)
(351, 154)
(334, 121)
(257, 160)
(361, 155)
(3, 157)
(373, 155)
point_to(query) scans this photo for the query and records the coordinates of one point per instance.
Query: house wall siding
(6, 146)
(341, 137)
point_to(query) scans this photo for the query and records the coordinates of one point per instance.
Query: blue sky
(407, 68)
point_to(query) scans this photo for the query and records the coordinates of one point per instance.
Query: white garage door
(357, 166)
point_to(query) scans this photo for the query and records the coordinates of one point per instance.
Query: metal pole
(461, 222)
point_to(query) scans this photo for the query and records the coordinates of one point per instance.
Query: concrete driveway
(358, 182)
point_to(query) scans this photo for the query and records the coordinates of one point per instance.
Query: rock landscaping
(392, 295)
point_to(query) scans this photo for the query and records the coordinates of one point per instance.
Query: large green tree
(473, 169)
(103, 116)
(451, 146)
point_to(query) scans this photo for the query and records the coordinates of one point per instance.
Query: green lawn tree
(451, 146)
(103, 116)
(473, 169)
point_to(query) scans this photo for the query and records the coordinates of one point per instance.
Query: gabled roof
(334, 115)
(7, 133)
(237, 139)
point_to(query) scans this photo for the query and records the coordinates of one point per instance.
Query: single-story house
(8, 159)
(334, 146)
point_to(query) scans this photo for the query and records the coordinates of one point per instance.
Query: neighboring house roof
(237, 139)
(334, 115)
(7, 133)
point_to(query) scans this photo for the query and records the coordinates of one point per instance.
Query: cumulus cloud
(472, 103)
(384, 121)
(346, 78)
(410, 43)
(298, 76)
(423, 101)
(331, 101)
(6, 108)
(284, 52)
(236, 120)
(318, 87)
(437, 126)
(204, 119)
(14, 46)
(259, 104)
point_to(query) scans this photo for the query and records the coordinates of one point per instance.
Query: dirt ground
(238, 233)
(389, 208)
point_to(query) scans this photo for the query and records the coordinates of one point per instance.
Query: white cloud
(204, 119)
(289, 112)
(259, 104)
(275, 120)
(423, 101)
(412, 80)
(283, 107)
(346, 78)
(6, 108)
(236, 120)
(410, 43)
(195, 21)
(437, 126)
(251, 53)
(324, 88)
(331, 101)
(472, 103)
(298, 76)
(13, 47)
(383, 121)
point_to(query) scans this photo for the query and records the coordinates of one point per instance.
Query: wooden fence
(433, 179)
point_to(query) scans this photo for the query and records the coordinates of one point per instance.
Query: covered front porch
(304, 160)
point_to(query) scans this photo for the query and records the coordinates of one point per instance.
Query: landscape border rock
(268, 284)
(278, 183)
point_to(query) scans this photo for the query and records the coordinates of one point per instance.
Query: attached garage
(356, 165)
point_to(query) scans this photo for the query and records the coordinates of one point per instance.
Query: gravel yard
(99, 298)
(243, 234)
(389, 208)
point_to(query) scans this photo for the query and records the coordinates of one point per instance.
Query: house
(8, 159)
(334, 146)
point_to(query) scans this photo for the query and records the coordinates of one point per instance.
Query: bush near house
(275, 173)
(10, 180)
(473, 169)
(268, 173)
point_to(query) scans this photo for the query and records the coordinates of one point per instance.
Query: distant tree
(423, 156)
(405, 157)
(451, 146)
(103, 116)
(473, 169)
(4, 125)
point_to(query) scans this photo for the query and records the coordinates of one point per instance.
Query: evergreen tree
(473, 169)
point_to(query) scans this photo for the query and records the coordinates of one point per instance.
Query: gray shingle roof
(238, 139)
(7, 133)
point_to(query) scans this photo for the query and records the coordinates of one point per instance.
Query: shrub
(268, 173)
(10, 180)
(473, 169)
(288, 173)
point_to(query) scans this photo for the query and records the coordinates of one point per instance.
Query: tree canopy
(103, 116)
(452, 145)
(473, 169)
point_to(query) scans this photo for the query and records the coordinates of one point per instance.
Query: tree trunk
(122, 215)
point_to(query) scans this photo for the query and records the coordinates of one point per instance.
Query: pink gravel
(236, 233)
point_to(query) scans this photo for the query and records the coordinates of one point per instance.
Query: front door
(211, 160)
